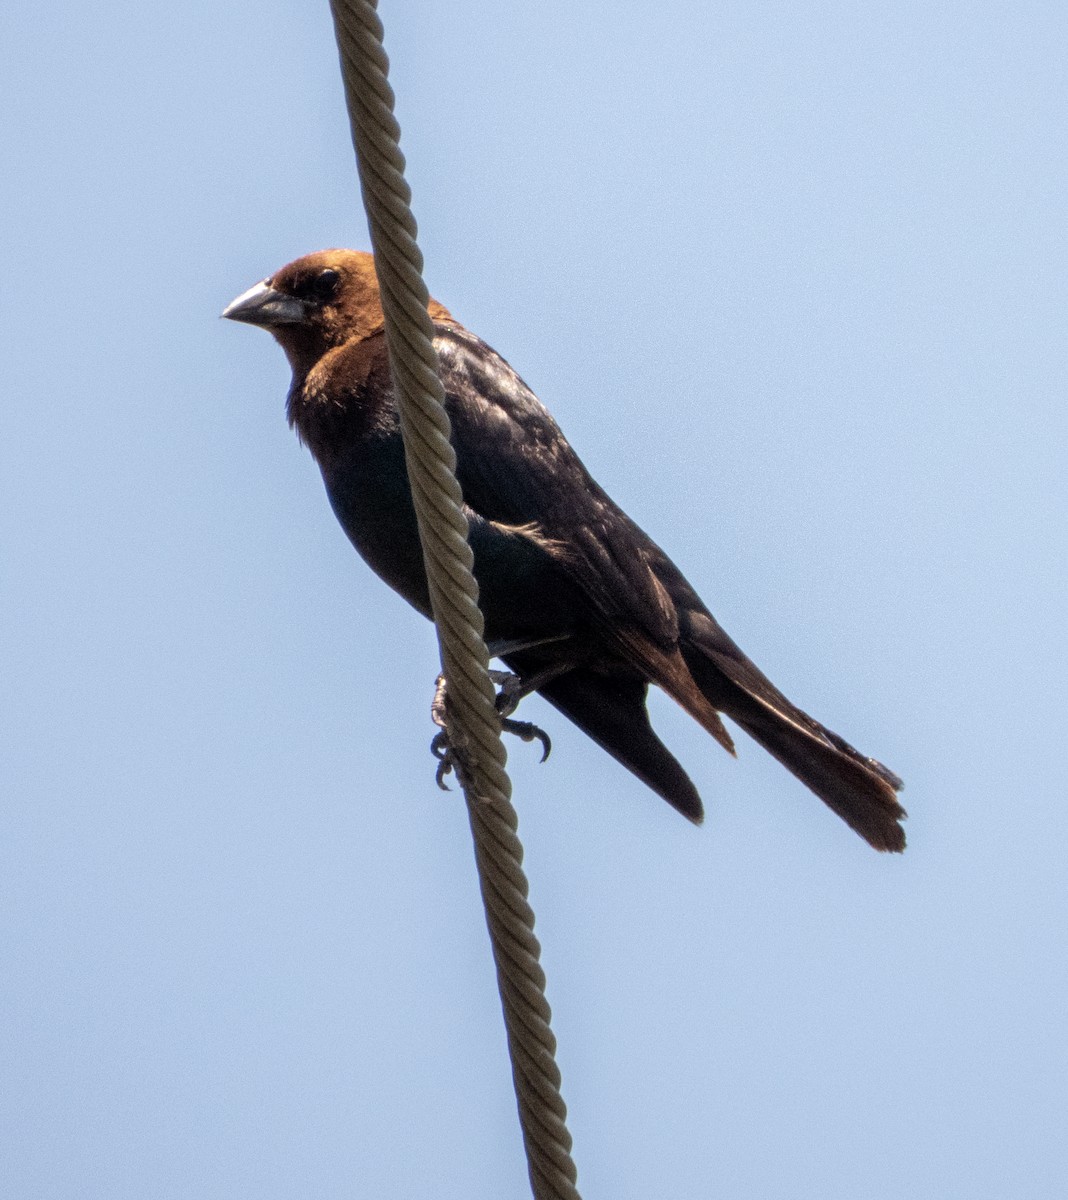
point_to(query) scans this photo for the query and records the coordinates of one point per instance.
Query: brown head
(317, 303)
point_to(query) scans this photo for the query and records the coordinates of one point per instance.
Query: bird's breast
(369, 493)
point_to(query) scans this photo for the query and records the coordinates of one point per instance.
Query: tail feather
(859, 789)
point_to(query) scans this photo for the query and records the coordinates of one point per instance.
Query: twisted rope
(474, 725)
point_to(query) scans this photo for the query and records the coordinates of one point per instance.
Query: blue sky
(792, 278)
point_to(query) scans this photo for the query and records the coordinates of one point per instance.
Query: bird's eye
(324, 285)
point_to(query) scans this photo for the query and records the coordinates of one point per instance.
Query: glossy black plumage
(562, 570)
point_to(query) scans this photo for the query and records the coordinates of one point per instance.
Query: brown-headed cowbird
(577, 599)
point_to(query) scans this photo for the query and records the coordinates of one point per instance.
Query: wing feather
(516, 468)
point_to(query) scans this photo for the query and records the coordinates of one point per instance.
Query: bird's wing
(516, 467)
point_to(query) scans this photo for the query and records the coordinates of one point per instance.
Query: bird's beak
(262, 305)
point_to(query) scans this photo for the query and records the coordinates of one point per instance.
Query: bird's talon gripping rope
(439, 747)
(444, 768)
(526, 731)
(511, 692)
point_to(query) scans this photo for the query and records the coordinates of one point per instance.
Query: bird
(580, 603)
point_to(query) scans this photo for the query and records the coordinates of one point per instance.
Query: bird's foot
(511, 691)
(451, 756)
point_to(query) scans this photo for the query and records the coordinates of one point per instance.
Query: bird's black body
(594, 605)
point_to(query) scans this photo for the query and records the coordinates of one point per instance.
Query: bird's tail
(859, 789)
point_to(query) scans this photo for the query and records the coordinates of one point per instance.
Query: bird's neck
(345, 396)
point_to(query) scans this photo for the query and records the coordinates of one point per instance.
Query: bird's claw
(511, 692)
(526, 731)
(450, 758)
(444, 768)
(439, 747)
(508, 697)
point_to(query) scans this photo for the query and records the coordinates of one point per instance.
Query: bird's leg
(512, 690)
